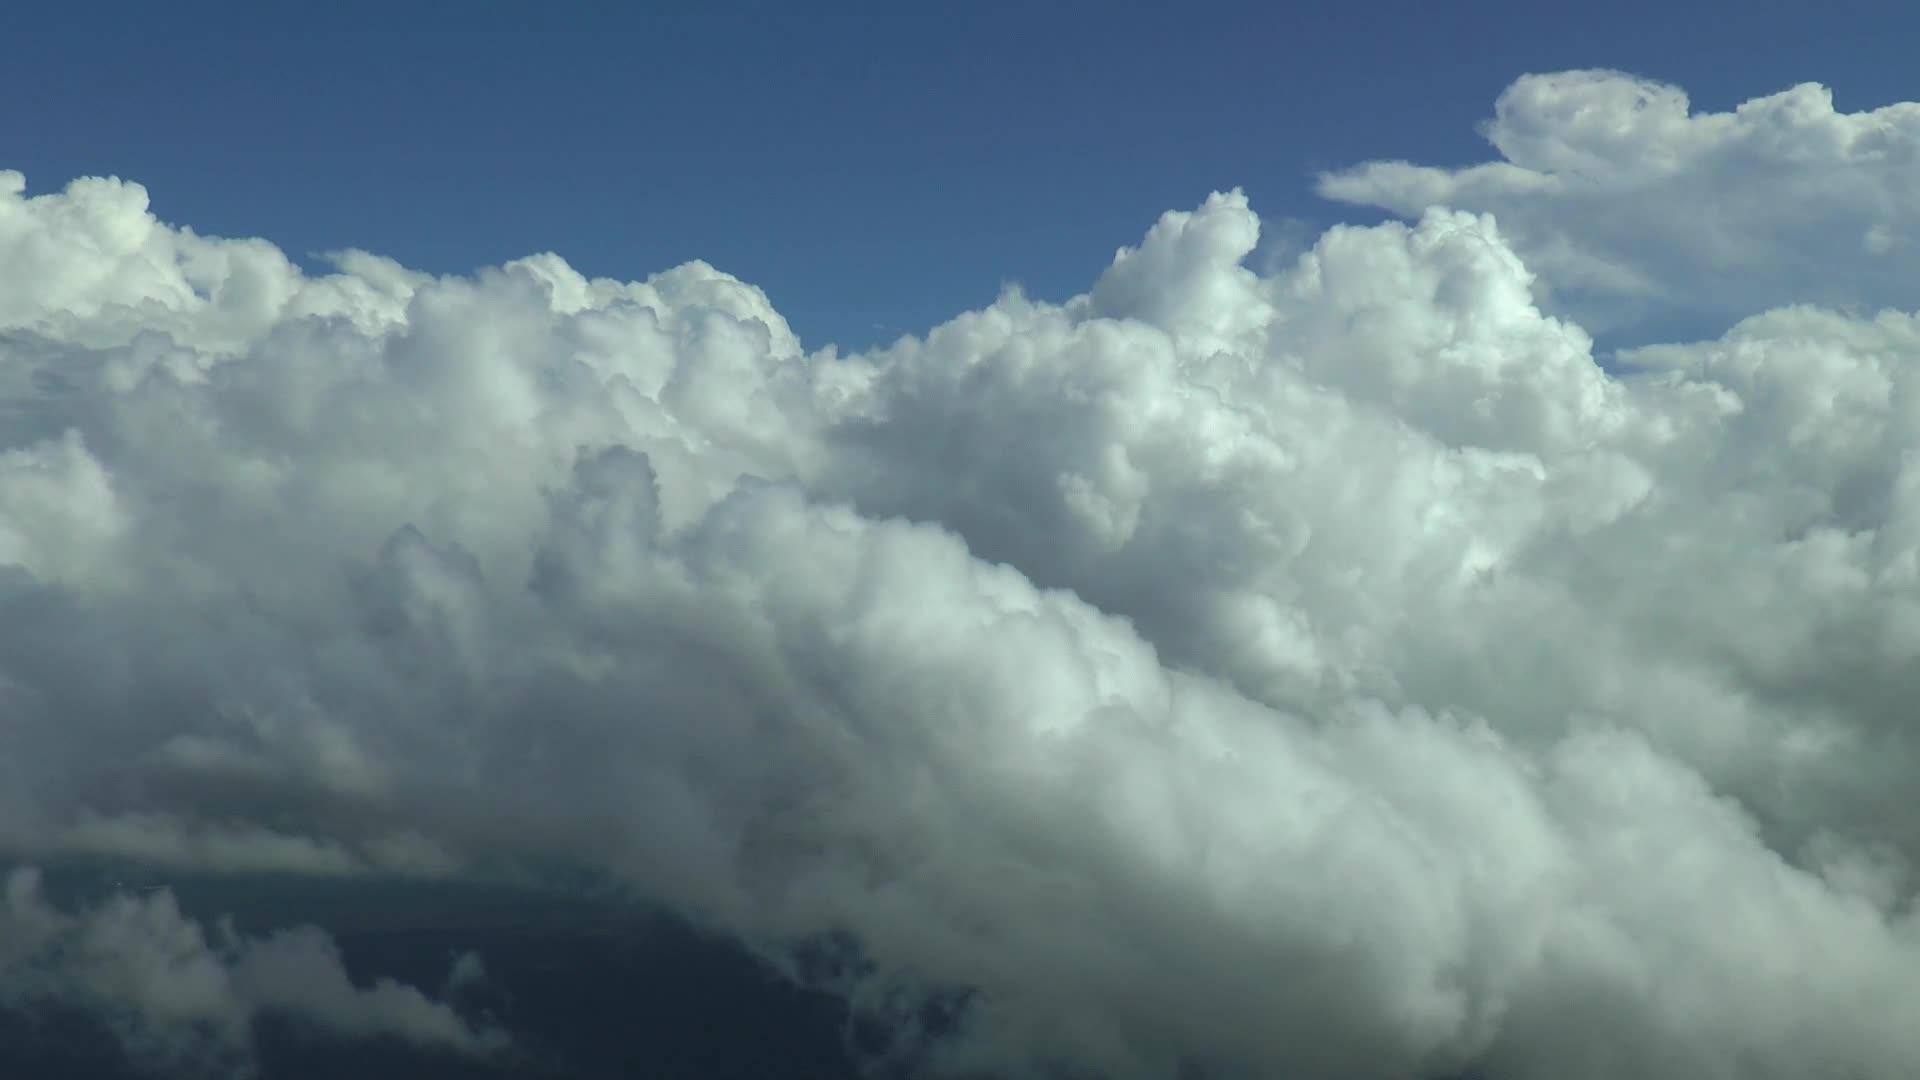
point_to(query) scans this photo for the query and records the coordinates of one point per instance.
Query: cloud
(1328, 668)
(180, 995)
(1639, 210)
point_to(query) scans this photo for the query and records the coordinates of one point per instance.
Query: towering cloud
(1331, 670)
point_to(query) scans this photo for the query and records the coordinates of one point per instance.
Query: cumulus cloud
(1637, 208)
(1317, 669)
(182, 996)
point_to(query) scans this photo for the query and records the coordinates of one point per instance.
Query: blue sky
(876, 168)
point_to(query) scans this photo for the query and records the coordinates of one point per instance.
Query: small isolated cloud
(182, 996)
(1636, 207)
(1323, 667)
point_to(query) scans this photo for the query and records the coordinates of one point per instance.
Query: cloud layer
(1330, 670)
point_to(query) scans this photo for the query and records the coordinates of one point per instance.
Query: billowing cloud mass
(184, 996)
(1259, 675)
(1632, 206)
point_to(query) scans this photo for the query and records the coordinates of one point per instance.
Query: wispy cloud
(182, 996)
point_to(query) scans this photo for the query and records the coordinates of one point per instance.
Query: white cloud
(1324, 668)
(179, 994)
(1636, 208)
(60, 516)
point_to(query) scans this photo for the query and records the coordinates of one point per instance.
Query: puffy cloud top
(1334, 669)
(1634, 207)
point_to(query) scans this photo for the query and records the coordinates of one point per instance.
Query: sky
(874, 167)
(1386, 548)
